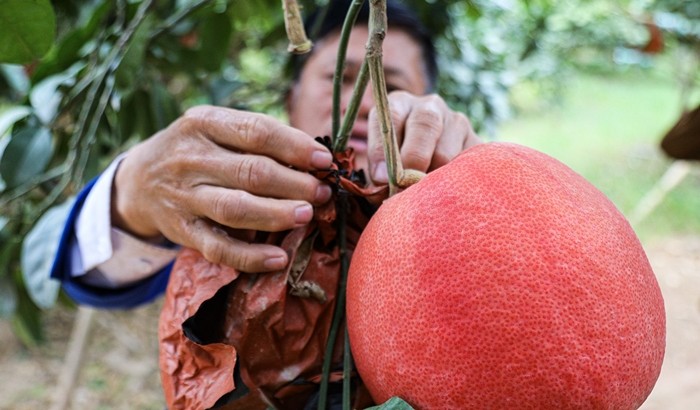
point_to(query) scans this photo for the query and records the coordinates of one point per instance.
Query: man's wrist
(122, 209)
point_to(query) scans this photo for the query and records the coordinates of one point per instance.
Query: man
(216, 175)
(247, 171)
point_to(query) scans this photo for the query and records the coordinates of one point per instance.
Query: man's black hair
(399, 15)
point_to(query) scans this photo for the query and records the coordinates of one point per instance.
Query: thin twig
(86, 130)
(347, 373)
(109, 66)
(173, 20)
(30, 185)
(91, 134)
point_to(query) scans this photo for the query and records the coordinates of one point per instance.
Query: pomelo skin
(504, 280)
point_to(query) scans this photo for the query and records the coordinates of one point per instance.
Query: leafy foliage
(27, 29)
(393, 403)
(101, 75)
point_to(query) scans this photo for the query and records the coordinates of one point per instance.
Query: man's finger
(241, 210)
(263, 176)
(218, 247)
(424, 128)
(458, 131)
(257, 134)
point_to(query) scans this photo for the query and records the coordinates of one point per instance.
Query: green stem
(347, 373)
(102, 85)
(339, 311)
(172, 21)
(341, 139)
(345, 32)
(319, 19)
(27, 187)
(91, 134)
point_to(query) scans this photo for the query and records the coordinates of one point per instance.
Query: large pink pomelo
(504, 280)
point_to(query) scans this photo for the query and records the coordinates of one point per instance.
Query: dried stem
(398, 177)
(299, 43)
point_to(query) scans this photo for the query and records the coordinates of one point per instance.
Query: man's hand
(214, 176)
(429, 133)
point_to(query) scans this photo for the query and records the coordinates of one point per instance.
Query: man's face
(311, 98)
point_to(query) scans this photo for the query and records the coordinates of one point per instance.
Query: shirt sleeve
(105, 280)
(107, 256)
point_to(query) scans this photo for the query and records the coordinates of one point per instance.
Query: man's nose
(366, 103)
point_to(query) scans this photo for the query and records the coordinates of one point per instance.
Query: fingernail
(321, 159)
(303, 214)
(380, 173)
(275, 262)
(323, 193)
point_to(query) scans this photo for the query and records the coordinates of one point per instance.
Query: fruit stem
(398, 178)
(339, 311)
(349, 22)
(343, 135)
(299, 43)
(347, 372)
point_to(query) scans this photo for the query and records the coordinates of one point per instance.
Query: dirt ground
(121, 370)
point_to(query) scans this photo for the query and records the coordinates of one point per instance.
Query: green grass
(608, 130)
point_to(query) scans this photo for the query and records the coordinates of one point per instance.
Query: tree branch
(398, 177)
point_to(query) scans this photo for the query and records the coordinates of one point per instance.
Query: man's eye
(347, 79)
(392, 87)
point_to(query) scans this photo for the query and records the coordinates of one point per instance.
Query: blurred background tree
(83, 80)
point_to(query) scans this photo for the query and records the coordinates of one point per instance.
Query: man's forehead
(398, 47)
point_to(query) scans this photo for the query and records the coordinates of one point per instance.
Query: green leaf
(216, 36)
(16, 78)
(26, 323)
(27, 29)
(134, 117)
(67, 50)
(9, 250)
(8, 255)
(46, 97)
(9, 117)
(26, 155)
(132, 64)
(3, 224)
(164, 108)
(8, 298)
(393, 403)
(38, 251)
